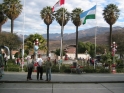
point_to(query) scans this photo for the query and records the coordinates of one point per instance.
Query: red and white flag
(59, 3)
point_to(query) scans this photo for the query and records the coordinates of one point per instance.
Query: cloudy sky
(30, 21)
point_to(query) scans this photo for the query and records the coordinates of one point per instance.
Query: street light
(113, 46)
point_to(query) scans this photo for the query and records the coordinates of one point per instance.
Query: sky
(30, 22)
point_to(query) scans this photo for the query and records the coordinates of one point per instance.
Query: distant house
(39, 52)
(13, 53)
(71, 51)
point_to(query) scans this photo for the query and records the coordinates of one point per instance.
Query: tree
(100, 49)
(10, 40)
(75, 17)
(111, 14)
(3, 17)
(47, 16)
(82, 47)
(62, 17)
(29, 42)
(89, 47)
(57, 52)
(107, 59)
(12, 9)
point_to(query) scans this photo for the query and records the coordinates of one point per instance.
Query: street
(15, 82)
(61, 88)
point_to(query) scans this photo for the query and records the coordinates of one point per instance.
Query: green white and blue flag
(89, 14)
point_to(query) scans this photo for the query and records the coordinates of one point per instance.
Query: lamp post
(113, 46)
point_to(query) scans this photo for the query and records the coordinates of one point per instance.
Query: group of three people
(40, 64)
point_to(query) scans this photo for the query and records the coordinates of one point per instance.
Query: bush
(88, 70)
(120, 70)
(15, 69)
(25, 68)
(96, 70)
(11, 66)
(102, 70)
(63, 69)
(67, 70)
(55, 68)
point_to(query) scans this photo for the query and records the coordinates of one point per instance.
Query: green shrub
(120, 70)
(15, 69)
(96, 70)
(89, 70)
(55, 68)
(102, 70)
(25, 68)
(10, 61)
(11, 66)
(67, 70)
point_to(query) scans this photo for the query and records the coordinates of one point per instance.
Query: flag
(59, 3)
(89, 14)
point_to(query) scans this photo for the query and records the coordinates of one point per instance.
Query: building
(71, 51)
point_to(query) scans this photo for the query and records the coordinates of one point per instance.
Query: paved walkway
(20, 77)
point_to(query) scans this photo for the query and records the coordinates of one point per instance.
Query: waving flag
(59, 3)
(89, 14)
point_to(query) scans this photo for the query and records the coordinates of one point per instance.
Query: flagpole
(23, 34)
(62, 29)
(95, 37)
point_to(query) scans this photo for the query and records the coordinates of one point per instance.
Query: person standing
(39, 67)
(30, 65)
(48, 65)
(1, 63)
(3, 54)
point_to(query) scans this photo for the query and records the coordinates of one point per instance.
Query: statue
(36, 47)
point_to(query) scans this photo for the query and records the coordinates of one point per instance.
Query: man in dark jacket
(1, 62)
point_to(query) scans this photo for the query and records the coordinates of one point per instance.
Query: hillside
(87, 35)
(81, 33)
(101, 39)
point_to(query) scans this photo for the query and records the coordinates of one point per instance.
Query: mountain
(81, 33)
(87, 35)
(101, 38)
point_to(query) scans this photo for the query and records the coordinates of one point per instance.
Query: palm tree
(3, 17)
(12, 9)
(47, 16)
(75, 18)
(111, 14)
(62, 17)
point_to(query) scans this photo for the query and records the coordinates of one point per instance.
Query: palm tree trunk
(0, 28)
(110, 39)
(12, 22)
(10, 53)
(76, 56)
(47, 40)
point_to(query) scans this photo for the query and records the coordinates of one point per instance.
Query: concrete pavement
(20, 77)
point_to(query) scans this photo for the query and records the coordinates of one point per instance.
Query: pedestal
(113, 69)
